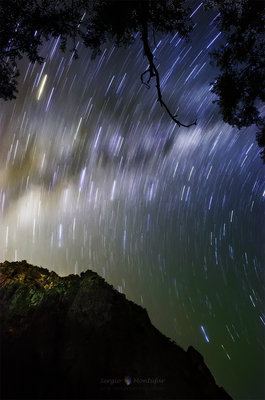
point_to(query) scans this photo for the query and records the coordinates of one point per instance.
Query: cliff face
(77, 337)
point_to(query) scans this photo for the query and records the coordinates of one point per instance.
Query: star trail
(94, 174)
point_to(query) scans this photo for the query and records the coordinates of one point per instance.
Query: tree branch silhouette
(153, 72)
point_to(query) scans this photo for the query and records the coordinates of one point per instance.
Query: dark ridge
(76, 337)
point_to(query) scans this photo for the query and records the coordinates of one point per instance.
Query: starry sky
(94, 174)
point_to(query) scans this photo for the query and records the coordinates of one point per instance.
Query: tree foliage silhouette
(26, 24)
(241, 60)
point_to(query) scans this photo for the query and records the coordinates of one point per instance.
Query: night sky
(94, 174)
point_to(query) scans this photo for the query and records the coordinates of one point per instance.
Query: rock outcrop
(76, 337)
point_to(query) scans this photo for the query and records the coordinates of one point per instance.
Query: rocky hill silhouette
(76, 337)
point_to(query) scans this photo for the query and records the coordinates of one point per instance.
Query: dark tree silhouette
(30, 22)
(241, 60)
(26, 24)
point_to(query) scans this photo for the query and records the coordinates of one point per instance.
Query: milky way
(94, 174)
